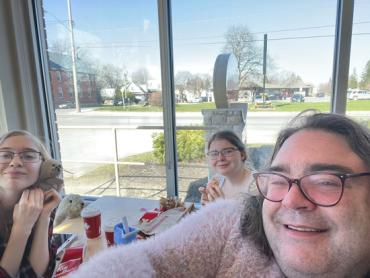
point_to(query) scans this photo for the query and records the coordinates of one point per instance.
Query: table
(111, 207)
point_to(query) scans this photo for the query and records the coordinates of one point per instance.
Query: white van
(356, 94)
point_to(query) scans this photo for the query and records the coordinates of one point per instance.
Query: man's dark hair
(251, 225)
(356, 136)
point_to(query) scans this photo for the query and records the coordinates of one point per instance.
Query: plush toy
(70, 207)
(50, 175)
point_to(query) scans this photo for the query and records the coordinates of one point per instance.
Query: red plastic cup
(109, 232)
(92, 221)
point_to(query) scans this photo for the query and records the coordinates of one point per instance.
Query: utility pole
(73, 54)
(264, 66)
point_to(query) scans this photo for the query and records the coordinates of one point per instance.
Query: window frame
(23, 45)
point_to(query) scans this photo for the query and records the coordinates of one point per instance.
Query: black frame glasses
(321, 188)
(26, 156)
(226, 152)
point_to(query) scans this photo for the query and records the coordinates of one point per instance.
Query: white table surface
(111, 207)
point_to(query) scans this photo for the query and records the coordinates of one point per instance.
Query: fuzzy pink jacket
(207, 243)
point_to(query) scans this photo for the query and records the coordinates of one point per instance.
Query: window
(60, 92)
(358, 94)
(59, 76)
(296, 45)
(70, 90)
(299, 48)
(110, 150)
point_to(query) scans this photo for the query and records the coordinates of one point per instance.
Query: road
(261, 127)
(89, 135)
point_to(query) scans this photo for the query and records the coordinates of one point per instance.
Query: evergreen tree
(353, 80)
(365, 77)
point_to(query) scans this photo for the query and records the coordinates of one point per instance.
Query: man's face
(309, 240)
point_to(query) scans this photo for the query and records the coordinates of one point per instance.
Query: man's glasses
(213, 155)
(322, 189)
(27, 157)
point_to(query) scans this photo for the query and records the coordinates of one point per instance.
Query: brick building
(60, 69)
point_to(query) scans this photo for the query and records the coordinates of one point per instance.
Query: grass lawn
(359, 105)
(295, 106)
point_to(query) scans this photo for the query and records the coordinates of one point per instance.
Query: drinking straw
(126, 229)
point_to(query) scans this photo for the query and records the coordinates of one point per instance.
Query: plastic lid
(90, 211)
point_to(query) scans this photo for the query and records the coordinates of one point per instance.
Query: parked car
(196, 100)
(297, 98)
(259, 102)
(117, 102)
(358, 94)
(273, 97)
(66, 105)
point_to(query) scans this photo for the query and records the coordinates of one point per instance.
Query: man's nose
(295, 199)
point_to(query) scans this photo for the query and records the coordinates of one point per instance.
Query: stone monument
(227, 115)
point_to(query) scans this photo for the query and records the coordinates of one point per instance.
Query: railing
(112, 138)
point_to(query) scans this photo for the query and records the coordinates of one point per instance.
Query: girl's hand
(211, 192)
(214, 191)
(50, 201)
(204, 197)
(28, 209)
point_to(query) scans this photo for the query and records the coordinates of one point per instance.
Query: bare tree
(242, 44)
(62, 46)
(290, 79)
(326, 87)
(182, 79)
(141, 76)
(110, 76)
(195, 83)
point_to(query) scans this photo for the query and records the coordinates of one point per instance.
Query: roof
(59, 61)
(135, 89)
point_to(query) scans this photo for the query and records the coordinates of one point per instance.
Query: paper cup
(109, 232)
(92, 221)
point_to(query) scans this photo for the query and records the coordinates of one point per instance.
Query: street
(261, 126)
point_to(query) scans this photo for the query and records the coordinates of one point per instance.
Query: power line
(129, 44)
(61, 22)
(125, 45)
(205, 37)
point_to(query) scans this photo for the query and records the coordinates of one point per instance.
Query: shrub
(190, 145)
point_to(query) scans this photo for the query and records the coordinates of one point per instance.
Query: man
(314, 220)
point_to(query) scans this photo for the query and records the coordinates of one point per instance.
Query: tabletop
(111, 207)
